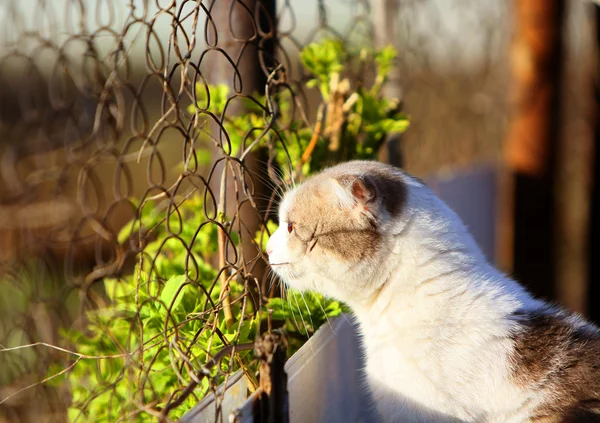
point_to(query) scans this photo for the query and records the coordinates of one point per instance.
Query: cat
(447, 337)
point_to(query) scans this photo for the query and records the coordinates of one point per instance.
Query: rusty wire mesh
(95, 122)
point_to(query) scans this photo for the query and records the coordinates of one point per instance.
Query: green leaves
(356, 116)
(156, 321)
(169, 295)
(384, 59)
(323, 60)
(148, 217)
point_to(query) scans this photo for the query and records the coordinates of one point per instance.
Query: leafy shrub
(164, 322)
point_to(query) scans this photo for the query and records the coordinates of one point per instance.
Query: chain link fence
(127, 153)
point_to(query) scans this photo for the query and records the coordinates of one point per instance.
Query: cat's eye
(291, 227)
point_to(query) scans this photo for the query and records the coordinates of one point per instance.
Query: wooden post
(532, 140)
(594, 237)
(239, 25)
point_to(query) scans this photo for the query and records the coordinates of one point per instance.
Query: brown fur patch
(563, 358)
(384, 180)
(582, 412)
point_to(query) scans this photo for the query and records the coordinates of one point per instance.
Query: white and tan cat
(447, 337)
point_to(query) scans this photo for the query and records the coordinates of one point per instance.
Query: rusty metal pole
(531, 148)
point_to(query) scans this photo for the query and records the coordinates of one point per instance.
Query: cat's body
(447, 337)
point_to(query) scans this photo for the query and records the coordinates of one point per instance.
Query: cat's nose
(269, 246)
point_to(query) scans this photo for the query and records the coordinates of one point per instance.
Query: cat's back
(554, 377)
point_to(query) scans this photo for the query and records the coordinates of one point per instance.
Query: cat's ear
(351, 190)
(362, 190)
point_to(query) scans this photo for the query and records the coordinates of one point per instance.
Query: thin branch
(222, 240)
(81, 356)
(313, 141)
(65, 370)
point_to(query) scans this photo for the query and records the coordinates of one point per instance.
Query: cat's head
(334, 229)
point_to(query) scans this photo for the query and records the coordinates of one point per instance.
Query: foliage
(303, 313)
(162, 324)
(323, 60)
(356, 119)
(162, 314)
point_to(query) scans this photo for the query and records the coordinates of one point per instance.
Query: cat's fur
(447, 336)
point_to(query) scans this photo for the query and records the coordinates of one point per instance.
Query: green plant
(163, 323)
(352, 120)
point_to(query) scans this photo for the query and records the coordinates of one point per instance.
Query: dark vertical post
(247, 31)
(272, 405)
(594, 238)
(243, 26)
(533, 139)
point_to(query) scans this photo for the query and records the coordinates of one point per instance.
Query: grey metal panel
(473, 195)
(236, 393)
(324, 377)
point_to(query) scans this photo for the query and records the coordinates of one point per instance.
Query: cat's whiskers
(281, 264)
(278, 188)
(311, 322)
(281, 176)
(277, 184)
(323, 310)
(270, 279)
(287, 298)
(301, 318)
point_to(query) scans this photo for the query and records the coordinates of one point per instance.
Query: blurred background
(505, 91)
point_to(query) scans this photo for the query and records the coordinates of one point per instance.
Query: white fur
(434, 315)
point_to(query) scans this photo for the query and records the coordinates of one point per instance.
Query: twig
(165, 192)
(81, 356)
(273, 112)
(313, 141)
(222, 239)
(63, 371)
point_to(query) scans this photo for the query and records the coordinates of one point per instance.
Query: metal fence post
(272, 405)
